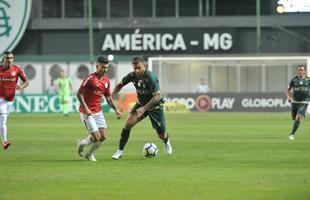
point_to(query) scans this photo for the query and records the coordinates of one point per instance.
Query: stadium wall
(162, 41)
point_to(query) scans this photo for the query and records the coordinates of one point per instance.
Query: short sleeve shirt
(93, 89)
(146, 86)
(8, 81)
(301, 88)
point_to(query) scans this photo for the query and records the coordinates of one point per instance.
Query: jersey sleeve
(84, 83)
(154, 84)
(127, 79)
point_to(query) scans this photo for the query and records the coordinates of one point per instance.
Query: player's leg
(3, 130)
(5, 108)
(65, 109)
(61, 102)
(158, 120)
(102, 135)
(294, 109)
(92, 129)
(132, 120)
(298, 113)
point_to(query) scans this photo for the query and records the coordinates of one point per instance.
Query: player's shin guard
(3, 127)
(124, 138)
(295, 127)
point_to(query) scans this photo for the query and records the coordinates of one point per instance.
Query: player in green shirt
(150, 103)
(64, 88)
(298, 95)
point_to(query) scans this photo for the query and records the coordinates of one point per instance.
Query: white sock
(86, 141)
(94, 147)
(3, 127)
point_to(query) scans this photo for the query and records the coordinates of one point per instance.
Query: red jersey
(93, 89)
(8, 81)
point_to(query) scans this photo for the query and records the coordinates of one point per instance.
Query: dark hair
(137, 60)
(304, 66)
(102, 60)
(7, 52)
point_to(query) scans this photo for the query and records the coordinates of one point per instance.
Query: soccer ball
(150, 150)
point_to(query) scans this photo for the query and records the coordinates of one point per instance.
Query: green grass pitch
(216, 156)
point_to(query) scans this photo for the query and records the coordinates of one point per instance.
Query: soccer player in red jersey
(93, 87)
(9, 74)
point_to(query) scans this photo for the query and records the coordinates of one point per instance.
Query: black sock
(166, 139)
(295, 127)
(124, 138)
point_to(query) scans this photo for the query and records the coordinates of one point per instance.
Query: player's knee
(128, 126)
(95, 137)
(299, 117)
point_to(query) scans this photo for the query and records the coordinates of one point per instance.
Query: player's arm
(155, 99)
(112, 105)
(70, 83)
(23, 77)
(127, 79)
(289, 94)
(117, 88)
(154, 89)
(23, 85)
(81, 99)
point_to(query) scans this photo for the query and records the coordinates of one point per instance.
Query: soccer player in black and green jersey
(298, 95)
(150, 103)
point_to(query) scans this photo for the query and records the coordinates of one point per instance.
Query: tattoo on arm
(153, 101)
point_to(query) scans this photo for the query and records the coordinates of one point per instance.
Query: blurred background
(210, 55)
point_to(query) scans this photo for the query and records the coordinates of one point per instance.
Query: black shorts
(299, 109)
(157, 117)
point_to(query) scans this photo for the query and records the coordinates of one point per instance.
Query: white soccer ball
(150, 150)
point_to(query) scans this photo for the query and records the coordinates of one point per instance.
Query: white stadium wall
(73, 72)
(35, 70)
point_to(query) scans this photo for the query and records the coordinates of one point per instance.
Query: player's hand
(139, 112)
(18, 87)
(118, 114)
(290, 100)
(88, 112)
